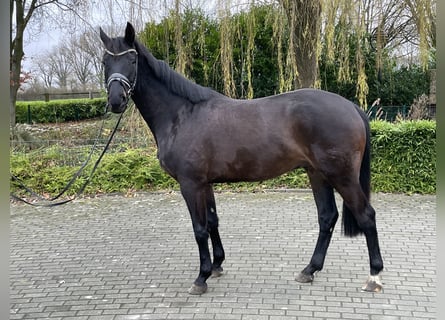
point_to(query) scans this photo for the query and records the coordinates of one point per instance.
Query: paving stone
(128, 258)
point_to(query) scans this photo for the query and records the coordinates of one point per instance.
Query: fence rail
(390, 113)
(46, 96)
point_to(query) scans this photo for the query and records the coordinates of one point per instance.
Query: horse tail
(350, 225)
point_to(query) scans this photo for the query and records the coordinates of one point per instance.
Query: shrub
(404, 156)
(59, 110)
(133, 169)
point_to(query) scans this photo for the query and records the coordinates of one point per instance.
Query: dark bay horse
(204, 137)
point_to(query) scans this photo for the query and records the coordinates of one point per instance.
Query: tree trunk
(304, 18)
(12, 101)
(15, 59)
(14, 73)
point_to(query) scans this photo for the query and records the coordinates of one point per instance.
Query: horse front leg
(195, 198)
(212, 222)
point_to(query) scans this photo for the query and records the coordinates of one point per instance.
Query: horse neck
(165, 103)
(157, 105)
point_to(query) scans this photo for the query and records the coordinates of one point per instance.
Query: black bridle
(123, 80)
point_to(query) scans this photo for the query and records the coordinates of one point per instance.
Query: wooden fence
(60, 95)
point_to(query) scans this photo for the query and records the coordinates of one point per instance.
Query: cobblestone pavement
(122, 258)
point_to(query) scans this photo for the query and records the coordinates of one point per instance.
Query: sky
(38, 45)
(42, 35)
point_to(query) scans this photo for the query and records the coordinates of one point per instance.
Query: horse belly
(247, 164)
(250, 147)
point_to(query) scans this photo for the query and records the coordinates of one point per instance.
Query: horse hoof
(304, 278)
(198, 289)
(217, 272)
(373, 284)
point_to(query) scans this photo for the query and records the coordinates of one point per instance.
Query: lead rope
(114, 77)
(73, 179)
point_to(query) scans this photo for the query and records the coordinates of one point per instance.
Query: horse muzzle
(119, 92)
(117, 98)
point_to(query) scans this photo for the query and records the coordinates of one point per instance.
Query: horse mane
(174, 81)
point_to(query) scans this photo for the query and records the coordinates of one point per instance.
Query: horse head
(120, 68)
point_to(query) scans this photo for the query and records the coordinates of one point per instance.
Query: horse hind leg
(327, 217)
(359, 217)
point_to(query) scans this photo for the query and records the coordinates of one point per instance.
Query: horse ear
(129, 34)
(105, 39)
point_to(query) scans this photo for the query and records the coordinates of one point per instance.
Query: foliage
(419, 108)
(128, 170)
(394, 85)
(407, 83)
(403, 160)
(256, 60)
(404, 156)
(202, 36)
(133, 169)
(261, 65)
(59, 110)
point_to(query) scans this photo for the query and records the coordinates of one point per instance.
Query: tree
(94, 52)
(252, 70)
(45, 72)
(60, 64)
(79, 59)
(304, 22)
(21, 13)
(377, 29)
(424, 14)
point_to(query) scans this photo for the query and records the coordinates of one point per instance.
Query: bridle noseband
(123, 80)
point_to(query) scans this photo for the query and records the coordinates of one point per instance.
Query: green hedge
(404, 156)
(403, 161)
(59, 110)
